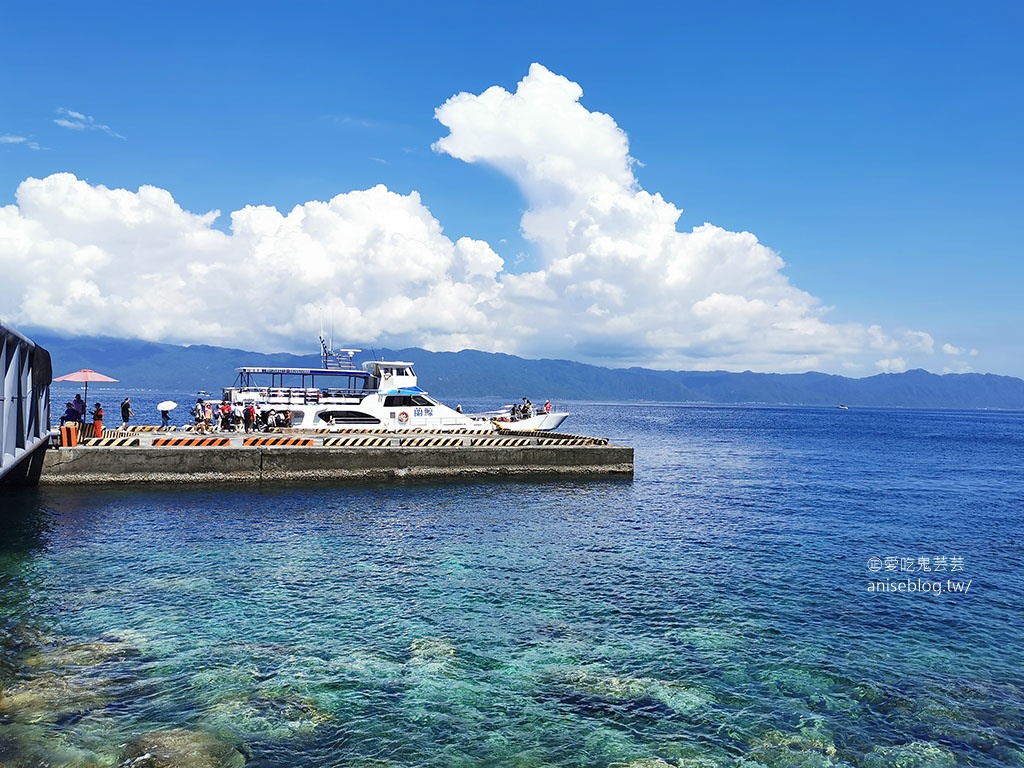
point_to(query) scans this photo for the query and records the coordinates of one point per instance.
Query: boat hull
(544, 422)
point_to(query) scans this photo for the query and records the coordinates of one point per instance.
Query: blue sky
(873, 147)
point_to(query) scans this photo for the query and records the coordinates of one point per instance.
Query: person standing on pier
(80, 406)
(126, 412)
(97, 421)
(199, 416)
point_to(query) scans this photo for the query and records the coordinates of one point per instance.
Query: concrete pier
(178, 457)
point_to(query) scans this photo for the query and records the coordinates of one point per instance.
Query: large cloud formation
(617, 283)
(135, 264)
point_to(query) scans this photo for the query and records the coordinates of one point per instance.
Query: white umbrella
(166, 405)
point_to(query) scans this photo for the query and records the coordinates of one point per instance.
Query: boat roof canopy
(260, 370)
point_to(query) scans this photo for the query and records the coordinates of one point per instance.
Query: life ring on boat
(403, 417)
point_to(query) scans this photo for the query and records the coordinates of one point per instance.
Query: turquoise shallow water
(723, 608)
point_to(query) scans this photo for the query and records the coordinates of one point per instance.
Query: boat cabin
(390, 375)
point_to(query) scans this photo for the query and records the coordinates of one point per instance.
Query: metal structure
(24, 408)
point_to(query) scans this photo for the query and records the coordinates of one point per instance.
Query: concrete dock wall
(85, 465)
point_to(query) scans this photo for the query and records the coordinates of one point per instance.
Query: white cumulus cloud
(949, 349)
(616, 282)
(97, 260)
(618, 279)
(892, 365)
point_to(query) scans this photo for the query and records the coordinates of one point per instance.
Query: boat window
(405, 401)
(347, 417)
(297, 418)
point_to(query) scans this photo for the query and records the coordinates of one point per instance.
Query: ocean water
(775, 587)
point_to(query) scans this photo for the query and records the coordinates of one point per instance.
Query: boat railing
(339, 393)
(304, 395)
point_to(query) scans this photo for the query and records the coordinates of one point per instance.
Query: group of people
(74, 412)
(525, 411)
(207, 416)
(210, 416)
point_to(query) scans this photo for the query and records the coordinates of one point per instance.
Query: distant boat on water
(843, 407)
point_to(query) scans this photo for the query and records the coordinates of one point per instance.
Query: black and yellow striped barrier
(191, 442)
(484, 442)
(343, 430)
(354, 441)
(430, 442)
(348, 431)
(559, 438)
(109, 441)
(271, 441)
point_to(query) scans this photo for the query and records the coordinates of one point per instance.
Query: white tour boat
(382, 394)
(540, 421)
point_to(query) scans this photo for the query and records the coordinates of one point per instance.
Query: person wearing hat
(70, 414)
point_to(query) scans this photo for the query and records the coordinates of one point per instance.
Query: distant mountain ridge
(466, 374)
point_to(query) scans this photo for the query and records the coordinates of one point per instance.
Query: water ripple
(713, 612)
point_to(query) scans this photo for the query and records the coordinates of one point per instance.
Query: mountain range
(467, 374)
